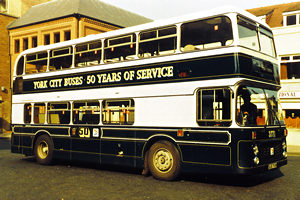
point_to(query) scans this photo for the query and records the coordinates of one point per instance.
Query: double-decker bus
(191, 93)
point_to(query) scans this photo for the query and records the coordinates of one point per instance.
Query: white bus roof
(150, 25)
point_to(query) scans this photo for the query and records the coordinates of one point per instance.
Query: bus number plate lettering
(272, 166)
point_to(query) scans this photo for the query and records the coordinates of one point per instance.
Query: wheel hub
(163, 160)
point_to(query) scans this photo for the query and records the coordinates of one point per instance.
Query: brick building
(18, 7)
(284, 19)
(5, 95)
(61, 20)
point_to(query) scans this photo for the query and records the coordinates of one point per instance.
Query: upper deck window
(120, 48)
(88, 54)
(205, 34)
(61, 58)
(36, 63)
(156, 42)
(248, 34)
(266, 42)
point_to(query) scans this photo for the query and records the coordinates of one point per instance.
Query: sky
(160, 9)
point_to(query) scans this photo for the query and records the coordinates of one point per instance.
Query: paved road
(23, 179)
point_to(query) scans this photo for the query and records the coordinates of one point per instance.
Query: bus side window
(86, 112)
(61, 58)
(39, 111)
(120, 48)
(118, 112)
(20, 66)
(157, 42)
(27, 113)
(58, 113)
(206, 34)
(88, 54)
(36, 63)
(214, 107)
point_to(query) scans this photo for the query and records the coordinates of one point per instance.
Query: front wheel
(164, 161)
(43, 150)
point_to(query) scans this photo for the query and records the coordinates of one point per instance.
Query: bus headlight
(284, 146)
(284, 154)
(256, 160)
(255, 150)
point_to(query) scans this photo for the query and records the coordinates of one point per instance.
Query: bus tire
(43, 150)
(164, 161)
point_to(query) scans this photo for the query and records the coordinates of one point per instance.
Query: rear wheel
(43, 150)
(164, 160)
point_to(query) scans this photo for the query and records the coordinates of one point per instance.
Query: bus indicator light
(73, 131)
(216, 27)
(183, 74)
(253, 135)
(180, 133)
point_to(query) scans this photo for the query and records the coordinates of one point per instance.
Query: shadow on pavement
(235, 180)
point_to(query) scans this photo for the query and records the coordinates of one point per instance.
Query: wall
(5, 92)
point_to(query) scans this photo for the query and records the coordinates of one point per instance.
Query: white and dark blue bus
(196, 92)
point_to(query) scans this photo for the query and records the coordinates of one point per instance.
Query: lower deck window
(27, 113)
(86, 112)
(58, 113)
(39, 111)
(118, 112)
(214, 107)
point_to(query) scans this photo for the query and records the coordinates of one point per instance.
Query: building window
(290, 70)
(46, 39)
(17, 46)
(2, 5)
(56, 37)
(34, 41)
(291, 20)
(67, 35)
(25, 44)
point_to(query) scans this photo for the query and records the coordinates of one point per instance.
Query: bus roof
(150, 25)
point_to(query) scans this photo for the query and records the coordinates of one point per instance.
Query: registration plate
(272, 166)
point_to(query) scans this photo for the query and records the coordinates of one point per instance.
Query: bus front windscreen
(258, 107)
(256, 38)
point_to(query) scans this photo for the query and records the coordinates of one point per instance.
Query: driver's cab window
(247, 110)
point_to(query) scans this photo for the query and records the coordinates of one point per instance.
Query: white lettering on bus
(129, 75)
(40, 84)
(55, 83)
(109, 77)
(73, 81)
(155, 73)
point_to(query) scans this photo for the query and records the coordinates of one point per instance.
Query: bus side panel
(204, 154)
(118, 147)
(62, 148)
(85, 149)
(22, 141)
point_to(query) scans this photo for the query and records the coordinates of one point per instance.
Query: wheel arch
(158, 137)
(38, 134)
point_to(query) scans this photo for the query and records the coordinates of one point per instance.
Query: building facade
(284, 19)
(5, 76)
(18, 7)
(56, 21)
